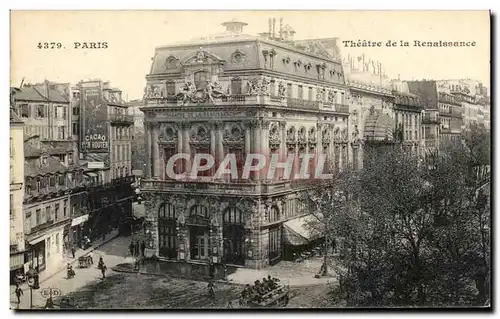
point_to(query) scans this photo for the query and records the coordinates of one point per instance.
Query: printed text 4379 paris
(91, 45)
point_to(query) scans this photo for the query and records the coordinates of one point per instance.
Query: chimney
(274, 28)
(281, 28)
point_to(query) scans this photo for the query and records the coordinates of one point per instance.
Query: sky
(132, 36)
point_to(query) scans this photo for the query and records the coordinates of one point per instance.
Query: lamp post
(32, 282)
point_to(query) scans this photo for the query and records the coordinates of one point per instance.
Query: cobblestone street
(142, 291)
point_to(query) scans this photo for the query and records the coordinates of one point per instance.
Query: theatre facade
(239, 94)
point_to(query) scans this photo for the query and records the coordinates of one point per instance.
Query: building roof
(378, 126)
(29, 93)
(36, 93)
(34, 167)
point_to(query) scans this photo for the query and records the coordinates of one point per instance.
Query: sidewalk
(289, 273)
(68, 258)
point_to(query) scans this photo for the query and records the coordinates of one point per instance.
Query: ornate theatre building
(239, 94)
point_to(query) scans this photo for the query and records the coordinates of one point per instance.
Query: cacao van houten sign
(95, 137)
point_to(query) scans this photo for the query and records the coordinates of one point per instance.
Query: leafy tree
(419, 235)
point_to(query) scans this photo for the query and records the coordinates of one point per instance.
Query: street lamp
(33, 283)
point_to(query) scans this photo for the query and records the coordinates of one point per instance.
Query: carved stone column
(247, 138)
(149, 150)
(161, 162)
(155, 150)
(219, 142)
(257, 142)
(151, 204)
(265, 147)
(186, 148)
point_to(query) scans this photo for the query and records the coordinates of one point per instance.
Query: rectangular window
(25, 110)
(75, 129)
(300, 93)
(56, 212)
(40, 111)
(310, 93)
(273, 88)
(236, 86)
(52, 180)
(48, 213)
(38, 216)
(289, 90)
(11, 206)
(65, 205)
(170, 88)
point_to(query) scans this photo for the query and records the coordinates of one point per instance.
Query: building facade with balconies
(48, 183)
(237, 94)
(17, 245)
(371, 103)
(105, 197)
(408, 109)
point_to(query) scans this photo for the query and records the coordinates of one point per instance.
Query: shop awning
(302, 230)
(16, 261)
(37, 240)
(90, 174)
(79, 220)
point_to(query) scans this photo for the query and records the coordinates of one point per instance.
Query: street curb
(76, 259)
(121, 269)
(125, 270)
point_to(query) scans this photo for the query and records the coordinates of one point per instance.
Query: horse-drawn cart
(276, 298)
(85, 261)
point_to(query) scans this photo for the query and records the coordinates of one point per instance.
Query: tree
(329, 202)
(420, 235)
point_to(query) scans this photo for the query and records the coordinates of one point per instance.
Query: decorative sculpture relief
(290, 135)
(344, 135)
(312, 135)
(274, 135)
(319, 94)
(331, 96)
(167, 134)
(187, 92)
(200, 134)
(153, 91)
(238, 57)
(253, 86)
(301, 135)
(214, 89)
(336, 134)
(281, 89)
(265, 87)
(233, 133)
(326, 134)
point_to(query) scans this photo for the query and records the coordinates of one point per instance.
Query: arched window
(233, 215)
(167, 211)
(199, 211)
(167, 232)
(200, 79)
(274, 215)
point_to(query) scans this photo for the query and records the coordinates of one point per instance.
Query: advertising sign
(95, 137)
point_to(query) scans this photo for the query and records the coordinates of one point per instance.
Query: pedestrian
(73, 251)
(131, 248)
(230, 305)
(19, 293)
(91, 258)
(102, 267)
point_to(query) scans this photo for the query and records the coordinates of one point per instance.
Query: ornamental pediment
(202, 57)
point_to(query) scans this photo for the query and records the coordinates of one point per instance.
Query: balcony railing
(224, 187)
(427, 119)
(302, 104)
(121, 118)
(250, 99)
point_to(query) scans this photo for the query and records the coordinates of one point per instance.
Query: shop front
(79, 229)
(37, 256)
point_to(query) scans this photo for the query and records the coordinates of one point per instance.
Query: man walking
(19, 293)
(102, 267)
(73, 251)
